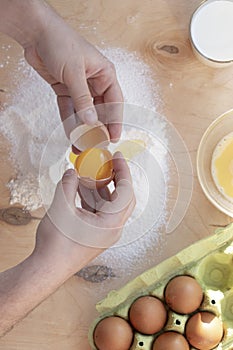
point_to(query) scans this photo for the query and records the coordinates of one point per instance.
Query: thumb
(82, 99)
(70, 185)
(64, 198)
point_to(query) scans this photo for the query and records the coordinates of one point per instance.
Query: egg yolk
(222, 166)
(94, 163)
(72, 157)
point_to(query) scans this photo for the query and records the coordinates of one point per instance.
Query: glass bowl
(221, 127)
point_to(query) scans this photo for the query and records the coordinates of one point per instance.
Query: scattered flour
(33, 114)
(135, 78)
(27, 124)
(5, 60)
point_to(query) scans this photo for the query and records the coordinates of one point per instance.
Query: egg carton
(209, 261)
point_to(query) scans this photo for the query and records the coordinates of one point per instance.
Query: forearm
(23, 19)
(26, 285)
(22, 288)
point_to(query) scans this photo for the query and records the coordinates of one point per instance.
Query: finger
(87, 199)
(66, 110)
(81, 96)
(100, 108)
(92, 200)
(106, 89)
(64, 199)
(65, 106)
(123, 194)
(121, 169)
(98, 100)
(113, 99)
(115, 113)
(60, 89)
(105, 193)
(110, 113)
(102, 196)
(70, 185)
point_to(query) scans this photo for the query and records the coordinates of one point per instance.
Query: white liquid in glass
(212, 30)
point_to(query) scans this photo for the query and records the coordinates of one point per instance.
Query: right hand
(65, 229)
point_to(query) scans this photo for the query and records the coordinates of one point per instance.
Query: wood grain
(193, 95)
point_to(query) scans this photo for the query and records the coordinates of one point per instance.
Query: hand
(78, 73)
(70, 237)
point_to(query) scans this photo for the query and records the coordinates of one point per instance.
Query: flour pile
(32, 116)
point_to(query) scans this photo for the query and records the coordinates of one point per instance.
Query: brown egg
(113, 333)
(171, 341)
(204, 330)
(148, 315)
(183, 294)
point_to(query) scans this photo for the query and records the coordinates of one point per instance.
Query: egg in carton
(189, 319)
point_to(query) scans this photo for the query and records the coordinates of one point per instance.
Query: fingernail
(118, 154)
(90, 116)
(69, 172)
(115, 140)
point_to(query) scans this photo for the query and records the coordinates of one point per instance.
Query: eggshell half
(90, 136)
(204, 330)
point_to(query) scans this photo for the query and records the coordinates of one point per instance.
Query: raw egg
(222, 166)
(130, 148)
(170, 341)
(72, 157)
(113, 333)
(204, 330)
(183, 294)
(94, 167)
(148, 315)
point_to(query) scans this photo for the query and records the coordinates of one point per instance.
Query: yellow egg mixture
(222, 166)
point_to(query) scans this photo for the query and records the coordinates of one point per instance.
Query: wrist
(61, 255)
(24, 20)
(61, 267)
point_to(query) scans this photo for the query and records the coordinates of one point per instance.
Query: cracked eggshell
(94, 184)
(90, 136)
(204, 330)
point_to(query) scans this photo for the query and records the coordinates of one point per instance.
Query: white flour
(33, 114)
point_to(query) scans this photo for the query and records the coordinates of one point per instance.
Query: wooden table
(158, 31)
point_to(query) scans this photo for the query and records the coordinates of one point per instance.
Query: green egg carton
(209, 261)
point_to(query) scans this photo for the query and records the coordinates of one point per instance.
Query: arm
(56, 257)
(22, 20)
(78, 73)
(26, 285)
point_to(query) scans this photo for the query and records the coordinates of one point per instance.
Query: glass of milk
(211, 32)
